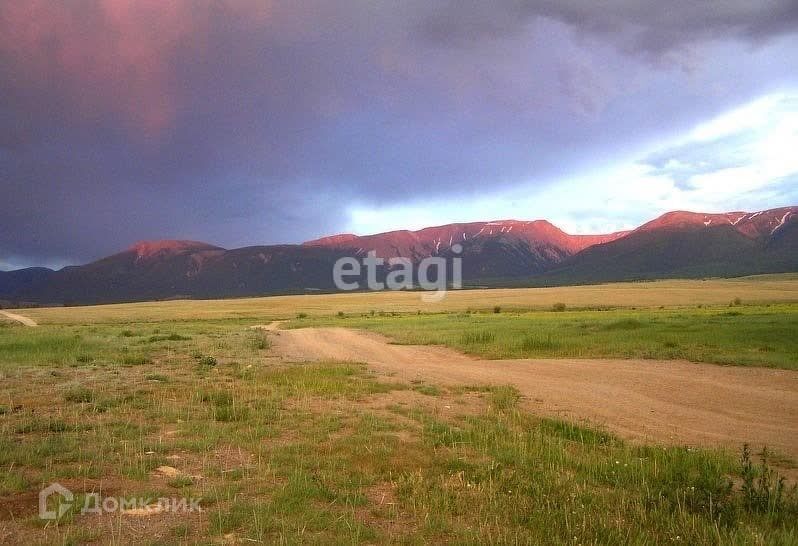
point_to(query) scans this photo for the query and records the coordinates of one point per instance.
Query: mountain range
(498, 253)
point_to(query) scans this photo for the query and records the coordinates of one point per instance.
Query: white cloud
(742, 159)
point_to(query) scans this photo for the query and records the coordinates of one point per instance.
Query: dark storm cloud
(249, 122)
(649, 27)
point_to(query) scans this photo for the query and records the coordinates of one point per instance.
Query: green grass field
(283, 452)
(741, 335)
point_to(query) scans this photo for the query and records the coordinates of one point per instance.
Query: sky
(246, 122)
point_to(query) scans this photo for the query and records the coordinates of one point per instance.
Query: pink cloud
(112, 56)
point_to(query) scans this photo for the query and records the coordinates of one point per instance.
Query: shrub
(207, 361)
(712, 494)
(559, 307)
(763, 491)
(301, 315)
(341, 314)
(497, 309)
(261, 342)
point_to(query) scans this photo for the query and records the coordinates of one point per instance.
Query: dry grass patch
(670, 293)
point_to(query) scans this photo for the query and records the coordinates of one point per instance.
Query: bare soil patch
(19, 318)
(671, 402)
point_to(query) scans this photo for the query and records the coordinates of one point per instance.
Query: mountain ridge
(446, 235)
(534, 252)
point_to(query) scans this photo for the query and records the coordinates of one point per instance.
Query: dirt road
(660, 401)
(19, 318)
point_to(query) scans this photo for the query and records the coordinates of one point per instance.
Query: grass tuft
(79, 395)
(168, 337)
(481, 337)
(624, 324)
(534, 344)
(261, 342)
(207, 361)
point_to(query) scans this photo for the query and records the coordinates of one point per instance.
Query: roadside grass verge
(126, 344)
(739, 335)
(67, 346)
